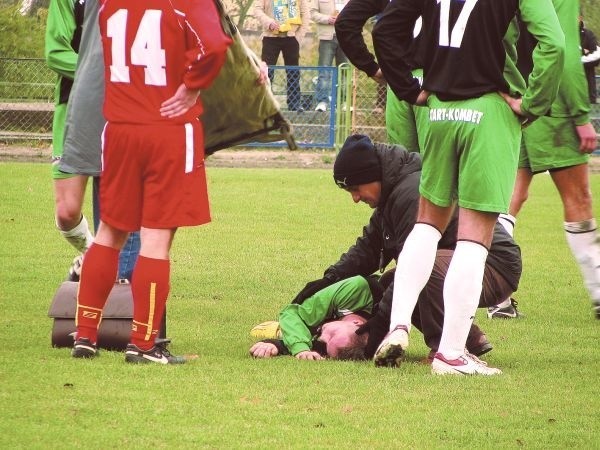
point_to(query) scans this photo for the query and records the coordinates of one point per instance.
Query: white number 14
(145, 51)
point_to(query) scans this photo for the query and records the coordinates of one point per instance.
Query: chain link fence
(354, 103)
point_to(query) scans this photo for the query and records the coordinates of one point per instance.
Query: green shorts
(470, 153)
(550, 143)
(405, 122)
(58, 135)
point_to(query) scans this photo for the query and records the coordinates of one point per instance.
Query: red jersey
(150, 48)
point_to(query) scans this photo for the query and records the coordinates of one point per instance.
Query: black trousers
(428, 316)
(289, 47)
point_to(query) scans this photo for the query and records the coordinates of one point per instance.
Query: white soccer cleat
(467, 364)
(391, 350)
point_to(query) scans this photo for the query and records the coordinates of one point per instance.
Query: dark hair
(351, 354)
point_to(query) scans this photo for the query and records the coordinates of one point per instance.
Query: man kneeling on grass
(387, 179)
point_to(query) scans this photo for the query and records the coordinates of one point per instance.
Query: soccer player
(400, 117)
(63, 35)
(470, 149)
(158, 55)
(560, 142)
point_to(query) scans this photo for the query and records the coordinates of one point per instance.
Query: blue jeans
(130, 250)
(328, 50)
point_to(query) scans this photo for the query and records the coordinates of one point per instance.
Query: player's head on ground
(357, 170)
(341, 340)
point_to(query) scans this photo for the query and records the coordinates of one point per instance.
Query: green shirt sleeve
(572, 100)
(548, 56)
(335, 301)
(60, 27)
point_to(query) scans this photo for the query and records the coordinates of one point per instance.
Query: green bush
(22, 37)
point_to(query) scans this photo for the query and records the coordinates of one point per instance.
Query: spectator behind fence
(284, 23)
(324, 13)
(590, 58)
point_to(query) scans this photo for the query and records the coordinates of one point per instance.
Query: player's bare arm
(180, 103)
(588, 140)
(310, 355)
(263, 350)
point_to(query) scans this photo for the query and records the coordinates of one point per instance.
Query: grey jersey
(85, 122)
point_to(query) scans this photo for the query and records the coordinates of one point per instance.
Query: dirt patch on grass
(251, 158)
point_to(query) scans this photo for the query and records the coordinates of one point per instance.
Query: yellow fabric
(286, 14)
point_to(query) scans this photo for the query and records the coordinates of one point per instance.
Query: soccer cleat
(392, 348)
(157, 354)
(266, 330)
(467, 364)
(84, 348)
(321, 107)
(75, 269)
(508, 312)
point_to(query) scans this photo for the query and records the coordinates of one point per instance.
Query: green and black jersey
(464, 49)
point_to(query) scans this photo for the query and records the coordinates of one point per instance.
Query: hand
(514, 103)
(263, 350)
(310, 355)
(273, 26)
(180, 103)
(422, 98)
(378, 77)
(331, 20)
(311, 289)
(588, 140)
(377, 327)
(263, 73)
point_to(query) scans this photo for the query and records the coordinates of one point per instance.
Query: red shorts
(153, 176)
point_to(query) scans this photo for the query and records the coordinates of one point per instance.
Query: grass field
(272, 231)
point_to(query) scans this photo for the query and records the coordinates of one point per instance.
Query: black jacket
(383, 238)
(348, 30)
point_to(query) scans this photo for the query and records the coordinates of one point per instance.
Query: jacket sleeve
(207, 44)
(60, 27)
(364, 256)
(305, 16)
(316, 15)
(349, 31)
(393, 40)
(260, 14)
(542, 22)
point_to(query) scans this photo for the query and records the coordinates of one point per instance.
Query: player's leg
(488, 136)
(98, 275)
(174, 194)
(580, 226)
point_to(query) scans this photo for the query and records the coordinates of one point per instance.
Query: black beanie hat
(356, 163)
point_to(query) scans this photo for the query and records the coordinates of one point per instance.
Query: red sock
(150, 288)
(97, 279)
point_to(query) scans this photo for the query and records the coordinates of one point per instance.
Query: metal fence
(354, 102)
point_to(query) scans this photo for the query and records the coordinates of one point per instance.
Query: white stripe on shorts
(189, 147)
(102, 147)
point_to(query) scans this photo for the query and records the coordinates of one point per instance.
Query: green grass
(272, 231)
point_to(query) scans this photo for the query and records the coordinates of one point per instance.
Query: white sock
(508, 222)
(462, 289)
(413, 270)
(585, 246)
(80, 236)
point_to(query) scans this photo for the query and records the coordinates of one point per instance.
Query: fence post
(344, 103)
